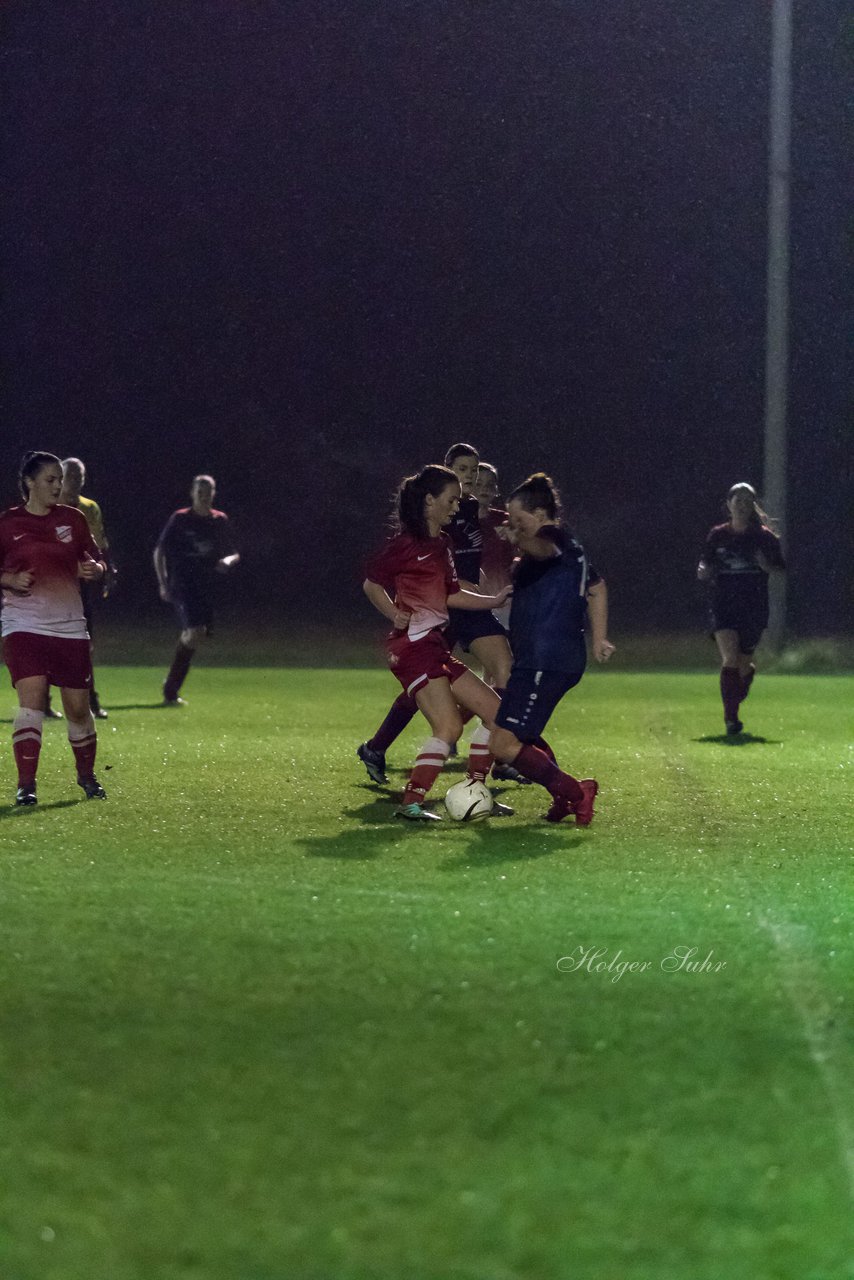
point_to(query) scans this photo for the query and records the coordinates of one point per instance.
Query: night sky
(306, 246)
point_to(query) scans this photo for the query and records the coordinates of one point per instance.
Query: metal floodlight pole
(777, 316)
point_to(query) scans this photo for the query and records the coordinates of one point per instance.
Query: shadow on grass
(500, 840)
(18, 810)
(142, 706)
(739, 740)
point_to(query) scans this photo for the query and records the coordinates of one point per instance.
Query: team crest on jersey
(63, 532)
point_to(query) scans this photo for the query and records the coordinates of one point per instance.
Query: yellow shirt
(94, 519)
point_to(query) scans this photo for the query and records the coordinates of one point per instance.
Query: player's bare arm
(474, 600)
(382, 601)
(160, 570)
(597, 610)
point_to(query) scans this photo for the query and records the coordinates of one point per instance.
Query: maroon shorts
(414, 662)
(67, 663)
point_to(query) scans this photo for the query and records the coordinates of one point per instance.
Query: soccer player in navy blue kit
(554, 589)
(736, 561)
(194, 547)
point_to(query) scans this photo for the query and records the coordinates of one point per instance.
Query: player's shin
(84, 743)
(535, 764)
(428, 766)
(480, 757)
(26, 744)
(178, 671)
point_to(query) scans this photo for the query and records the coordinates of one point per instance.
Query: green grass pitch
(253, 1029)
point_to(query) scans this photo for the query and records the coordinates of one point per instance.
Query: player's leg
(71, 669)
(88, 594)
(526, 708)
(493, 653)
(730, 680)
(32, 694)
(372, 752)
(439, 707)
(193, 634)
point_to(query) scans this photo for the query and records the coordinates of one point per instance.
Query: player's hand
(19, 583)
(602, 650)
(400, 621)
(502, 597)
(505, 533)
(89, 569)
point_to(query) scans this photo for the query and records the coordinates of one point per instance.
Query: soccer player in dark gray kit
(194, 548)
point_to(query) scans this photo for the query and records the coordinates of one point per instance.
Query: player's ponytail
(31, 465)
(413, 491)
(539, 493)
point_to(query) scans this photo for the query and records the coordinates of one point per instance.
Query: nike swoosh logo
(17, 536)
(427, 557)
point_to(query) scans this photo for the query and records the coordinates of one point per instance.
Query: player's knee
(192, 637)
(504, 745)
(450, 729)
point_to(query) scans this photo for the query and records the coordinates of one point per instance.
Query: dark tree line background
(306, 246)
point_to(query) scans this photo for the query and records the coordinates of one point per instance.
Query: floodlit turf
(253, 1029)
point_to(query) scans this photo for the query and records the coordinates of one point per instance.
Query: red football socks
(731, 694)
(27, 743)
(535, 764)
(84, 744)
(428, 766)
(480, 757)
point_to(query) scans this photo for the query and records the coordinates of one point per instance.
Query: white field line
(803, 986)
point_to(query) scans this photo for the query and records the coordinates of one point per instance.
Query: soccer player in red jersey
(478, 632)
(194, 547)
(46, 549)
(412, 581)
(736, 561)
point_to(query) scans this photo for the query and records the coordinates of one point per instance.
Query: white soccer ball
(467, 800)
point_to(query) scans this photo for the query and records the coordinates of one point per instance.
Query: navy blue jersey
(550, 606)
(192, 545)
(467, 539)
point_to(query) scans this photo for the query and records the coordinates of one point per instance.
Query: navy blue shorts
(471, 624)
(530, 698)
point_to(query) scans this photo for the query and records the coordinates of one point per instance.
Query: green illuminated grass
(253, 1029)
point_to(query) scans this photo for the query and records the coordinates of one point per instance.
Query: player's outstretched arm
(597, 610)
(474, 600)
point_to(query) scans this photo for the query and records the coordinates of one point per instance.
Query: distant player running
(194, 548)
(46, 550)
(477, 632)
(553, 588)
(412, 582)
(736, 560)
(73, 480)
